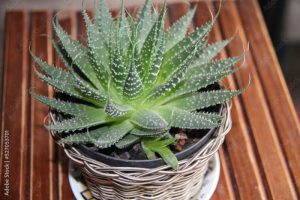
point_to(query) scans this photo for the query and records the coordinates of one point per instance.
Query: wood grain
(14, 118)
(42, 150)
(261, 126)
(274, 86)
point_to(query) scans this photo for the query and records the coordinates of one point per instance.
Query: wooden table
(260, 157)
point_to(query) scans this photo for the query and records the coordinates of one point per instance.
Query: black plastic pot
(113, 161)
(117, 162)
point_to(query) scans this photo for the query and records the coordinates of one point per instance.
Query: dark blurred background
(282, 18)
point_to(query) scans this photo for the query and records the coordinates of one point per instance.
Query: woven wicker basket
(107, 182)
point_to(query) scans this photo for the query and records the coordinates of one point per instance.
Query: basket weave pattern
(107, 182)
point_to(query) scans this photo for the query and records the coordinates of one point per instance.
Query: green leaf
(127, 141)
(103, 20)
(152, 49)
(98, 50)
(89, 91)
(77, 138)
(201, 76)
(211, 51)
(119, 70)
(181, 60)
(174, 79)
(184, 119)
(52, 71)
(147, 133)
(62, 54)
(103, 137)
(154, 143)
(202, 100)
(195, 83)
(168, 156)
(198, 36)
(133, 86)
(115, 110)
(76, 52)
(81, 122)
(124, 31)
(64, 86)
(213, 67)
(70, 108)
(143, 23)
(151, 145)
(149, 120)
(111, 135)
(154, 68)
(149, 153)
(137, 62)
(215, 118)
(178, 30)
(112, 42)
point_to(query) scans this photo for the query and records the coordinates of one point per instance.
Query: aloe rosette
(133, 80)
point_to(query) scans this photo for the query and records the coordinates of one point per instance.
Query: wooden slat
(14, 119)
(272, 80)
(225, 186)
(263, 131)
(241, 154)
(42, 146)
(68, 23)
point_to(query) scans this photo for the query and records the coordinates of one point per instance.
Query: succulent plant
(133, 80)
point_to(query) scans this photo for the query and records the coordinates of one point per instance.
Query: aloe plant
(133, 80)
